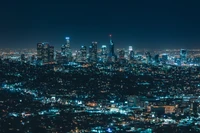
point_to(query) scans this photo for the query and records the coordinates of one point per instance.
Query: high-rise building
(111, 47)
(93, 52)
(121, 54)
(83, 51)
(111, 54)
(103, 50)
(183, 55)
(40, 51)
(51, 54)
(164, 58)
(104, 53)
(66, 50)
(23, 58)
(148, 57)
(156, 58)
(130, 48)
(131, 55)
(45, 53)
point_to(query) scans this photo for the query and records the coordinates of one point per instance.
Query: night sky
(140, 23)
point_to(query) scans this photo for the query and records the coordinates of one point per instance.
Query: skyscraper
(111, 47)
(39, 51)
(66, 50)
(111, 55)
(148, 57)
(130, 48)
(45, 53)
(183, 55)
(131, 55)
(83, 51)
(93, 52)
(103, 53)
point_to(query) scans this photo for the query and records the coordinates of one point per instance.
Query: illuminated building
(130, 48)
(45, 53)
(23, 58)
(111, 54)
(183, 55)
(156, 58)
(66, 50)
(133, 101)
(103, 53)
(111, 47)
(164, 58)
(121, 54)
(39, 51)
(51, 54)
(83, 51)
(93, 52)
(131, 55)
(148, 57)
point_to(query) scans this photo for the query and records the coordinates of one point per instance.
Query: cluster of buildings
(99, 90)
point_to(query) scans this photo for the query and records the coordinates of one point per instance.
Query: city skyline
(142, 24)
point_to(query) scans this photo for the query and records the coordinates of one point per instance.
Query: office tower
(90, 53)
(121, 54)
(131, 55)
(103, 53)
(39, 51)
(148, 57)
(156, 58)
(83, 51)
(66, 50)
(111, 54)
(111, 47)
(103, 50)
(133, 101)
(183, 55)
(45, 53)
(51, 54)
(23, 58)
(164, 58)
(130, 48)
(63, 50)
(93, 52)
(33, 59)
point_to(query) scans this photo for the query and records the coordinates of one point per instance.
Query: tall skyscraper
(156, 58)
(183, 55)
(93, 52)
(23, 58)
(45, 53)
(51, 54)
(66, 50)
(164, 58)
(83, 51)
(131, 55)
(121, 54)
(39, 51)
(148, 57)
(111, 47)
(104, 53)
(111, 55)
(130, 48)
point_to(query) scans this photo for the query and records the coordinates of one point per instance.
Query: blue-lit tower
(93, 52)
(111, 47)
(183, 55)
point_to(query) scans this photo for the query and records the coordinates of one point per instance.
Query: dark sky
(140, 23)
